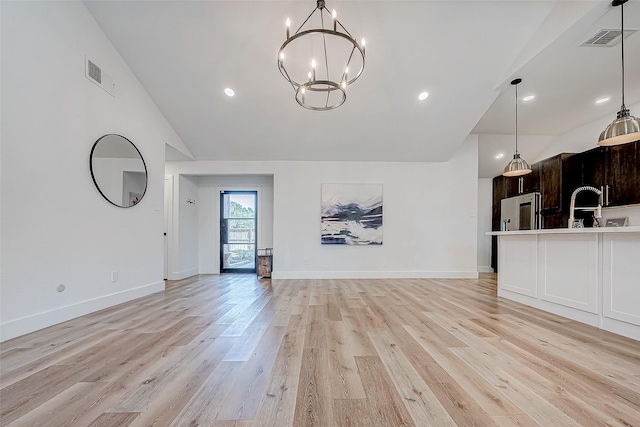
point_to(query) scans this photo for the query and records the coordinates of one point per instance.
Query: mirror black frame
(93, 177)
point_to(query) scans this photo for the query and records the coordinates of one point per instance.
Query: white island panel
(621, 277)
(568, 270)
(518, 262)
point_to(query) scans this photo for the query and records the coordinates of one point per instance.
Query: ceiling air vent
(97, 75)
(607, 38)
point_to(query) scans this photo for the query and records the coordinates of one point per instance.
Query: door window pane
(239, 205)
(239, 256)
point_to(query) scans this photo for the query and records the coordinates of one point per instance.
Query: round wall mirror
(118, 170)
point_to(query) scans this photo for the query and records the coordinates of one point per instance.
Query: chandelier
(320, 60)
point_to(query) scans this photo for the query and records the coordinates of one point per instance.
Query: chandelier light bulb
(282, 55)
(334, 14)
(288, 24)
(313, 63)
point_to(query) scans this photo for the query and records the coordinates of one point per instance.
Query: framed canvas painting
(351, 214)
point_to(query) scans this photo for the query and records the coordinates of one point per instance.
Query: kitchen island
(591, 275)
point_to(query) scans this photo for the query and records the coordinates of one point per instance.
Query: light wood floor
(233, 351)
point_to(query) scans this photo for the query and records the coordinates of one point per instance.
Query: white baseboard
(24, 325)
(179, 275)
(485, 269)
(374, 275)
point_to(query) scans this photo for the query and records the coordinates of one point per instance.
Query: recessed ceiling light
(603, 100)
(229, 92)
(499, 155)
(528, 98)
(423, 96)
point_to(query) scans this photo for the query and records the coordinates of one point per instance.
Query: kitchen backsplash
(632, 212)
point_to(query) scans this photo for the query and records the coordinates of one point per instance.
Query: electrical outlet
(114, 276)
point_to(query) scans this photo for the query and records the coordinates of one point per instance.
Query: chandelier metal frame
(322, 83)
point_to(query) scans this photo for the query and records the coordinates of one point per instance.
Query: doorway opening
(238, 231)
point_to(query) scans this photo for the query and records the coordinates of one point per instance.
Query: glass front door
(238, 214)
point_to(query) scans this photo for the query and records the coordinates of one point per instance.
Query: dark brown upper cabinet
(623, 175)
(531, 181)
(594, 174)
(558, 177)
(512, 185)
(551, 182)
(614, 170)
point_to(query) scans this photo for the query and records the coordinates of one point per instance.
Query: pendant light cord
(517, 118)
(622, 35)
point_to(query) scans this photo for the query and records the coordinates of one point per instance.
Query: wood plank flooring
(230, 350)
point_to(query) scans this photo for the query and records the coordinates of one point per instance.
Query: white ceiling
(464, 53)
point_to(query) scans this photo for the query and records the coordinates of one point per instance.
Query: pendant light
(518, 166)
(625, 128)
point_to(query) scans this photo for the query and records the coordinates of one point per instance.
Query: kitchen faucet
(597, 210)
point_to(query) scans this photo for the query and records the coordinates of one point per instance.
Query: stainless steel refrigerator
(520, 212)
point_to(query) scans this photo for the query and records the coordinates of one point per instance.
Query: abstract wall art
(351, 214)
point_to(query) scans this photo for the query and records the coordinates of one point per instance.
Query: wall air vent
(94, 72)
(607, 38)
(97, 75)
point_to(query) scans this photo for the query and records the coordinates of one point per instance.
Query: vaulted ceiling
(464, 53)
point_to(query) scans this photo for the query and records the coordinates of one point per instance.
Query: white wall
(430, 216)
(209, 211)
(485, 211)
(187, 230)
(56, 227)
